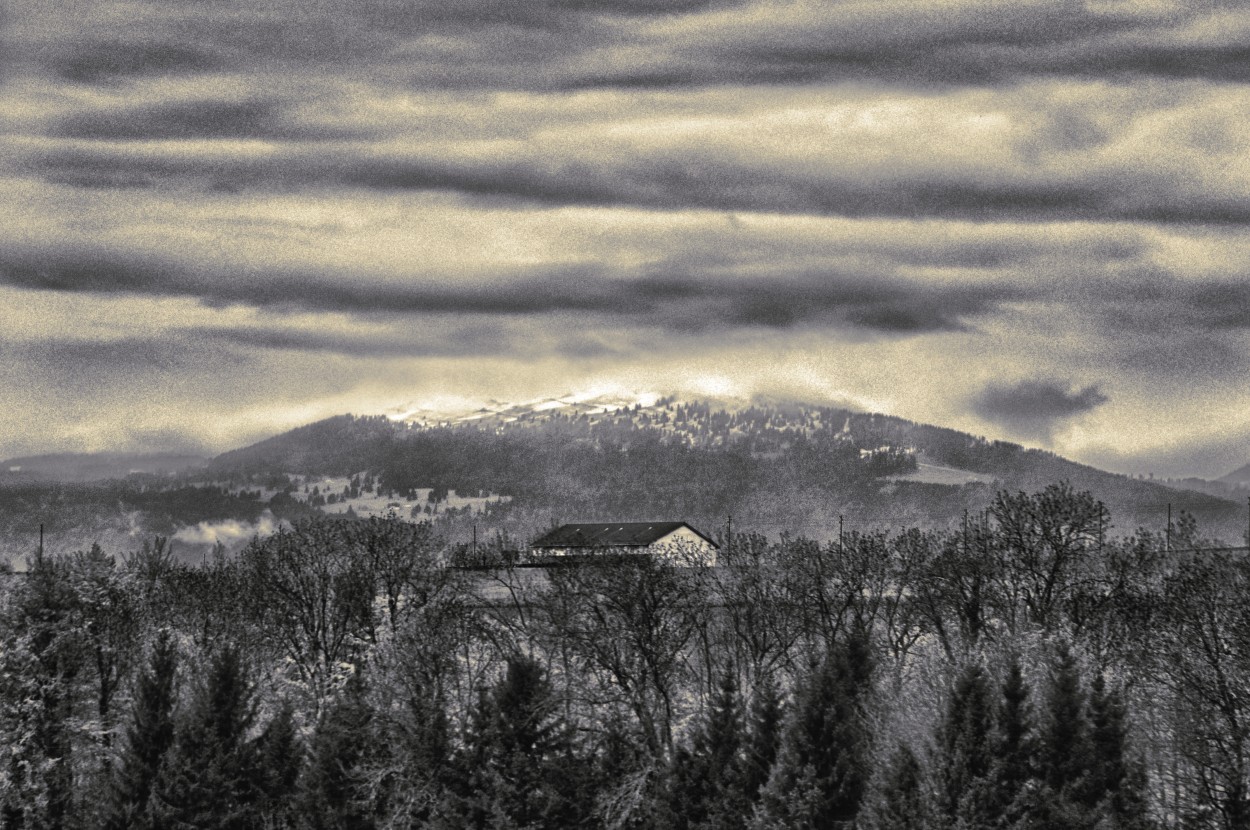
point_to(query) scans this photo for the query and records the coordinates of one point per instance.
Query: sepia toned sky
(1028, 219)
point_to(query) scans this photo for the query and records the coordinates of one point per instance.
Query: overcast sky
(1028, 220)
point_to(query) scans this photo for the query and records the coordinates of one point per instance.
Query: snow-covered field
(934, 474)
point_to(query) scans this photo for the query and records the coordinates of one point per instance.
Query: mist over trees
(1023, 671)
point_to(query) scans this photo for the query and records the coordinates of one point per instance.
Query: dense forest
(1021, 671)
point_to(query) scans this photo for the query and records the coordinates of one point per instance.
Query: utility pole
(840, 550)
(1168, 543)
(41, 540)
(475, 543)
(729, 535)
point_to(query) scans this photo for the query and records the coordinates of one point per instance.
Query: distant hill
(772, 466)
(83, 467)
(1238, 477)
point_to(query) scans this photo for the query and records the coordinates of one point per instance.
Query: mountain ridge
(618, 457)
(98, 466)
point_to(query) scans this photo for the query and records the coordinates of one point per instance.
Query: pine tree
(763, 739)
(279, 756)
(965, 751)
(421, 752)
(1063, 756)
(148, 738)
(823, 766)
(619, 785)
(519, 758)
(1065, 742)
(706, 780)
(332, 792)
(902, 802)
(208, 778)
(1116, 784)
(41, 656)
(1014, 746)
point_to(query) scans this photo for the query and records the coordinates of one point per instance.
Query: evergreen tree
(1014, 746)
(823, 765)
(279, 756)
(1116, 785)
(1065, 741)
(706, 780)
(41, 657)
(148, 738)
(333, 793)
(1063, 755)
(421, 753)
(965, 751)
(902, 802)
(620, 781)
(208, 780)
(763, 739)
(519, 758)
(683, 803)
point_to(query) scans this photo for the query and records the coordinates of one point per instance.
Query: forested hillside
(1023, 671)
(776, 467)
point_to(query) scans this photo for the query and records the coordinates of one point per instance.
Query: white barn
(673, 540)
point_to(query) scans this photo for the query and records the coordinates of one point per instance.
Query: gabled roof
(611, 535)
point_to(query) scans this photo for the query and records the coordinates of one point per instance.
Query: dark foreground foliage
(1023, 672)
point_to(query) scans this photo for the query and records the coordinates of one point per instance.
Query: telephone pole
(1168, 541)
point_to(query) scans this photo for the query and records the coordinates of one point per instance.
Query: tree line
(1023, 670)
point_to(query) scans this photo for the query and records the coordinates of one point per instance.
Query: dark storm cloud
(460, 341)
(108, 60)
(905, 42)
(202, 119)
(1034, 408)
(925, 44)
(661, 183)
(679, 302)
(1220, 305)
(884, 306)
(637, 7)
(994, 49)
(91, 362)
(1160, 305)
(564, 44)
(84, 270)
(708, 183)
(153, 39)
